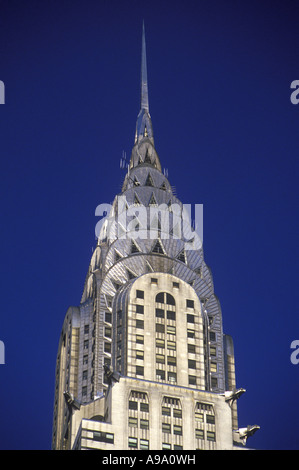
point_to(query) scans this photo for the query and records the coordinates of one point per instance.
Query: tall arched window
(165, 298)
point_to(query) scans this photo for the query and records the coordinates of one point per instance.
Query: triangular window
(153, 201)
(134, 248)
(147, 158)
(181, 256)
(163, 186)
(117, 285)
(149, 181)
(158, 248)
(130, 274)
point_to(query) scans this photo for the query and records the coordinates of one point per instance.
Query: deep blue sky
(219, 88)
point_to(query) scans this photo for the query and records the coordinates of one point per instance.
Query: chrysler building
(143, 362)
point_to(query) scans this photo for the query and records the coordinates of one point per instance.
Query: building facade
(143, 362)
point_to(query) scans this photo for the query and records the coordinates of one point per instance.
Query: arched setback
(164, 342)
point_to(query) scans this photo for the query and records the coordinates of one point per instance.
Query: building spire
(144, 124)
(144, 86)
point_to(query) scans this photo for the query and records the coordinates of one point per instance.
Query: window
(86, 329)
(154, 280)
(170, 315)
(85, 359)
(108, 317)
(160, 359)
(134, 248)
(176, 285)
(140, 324)
(171, 361)
(84, 391)
(86, 344)
(190, 318)
(107, 331)
(144, 424)
(213, 351)
(160, 374)
(166, 428)
(210, 419)
(171, 376)
(140, 294)
(165, 445)
(107, 347)
(172, 401)
(139, 370)
(212, 336)
(133, 405)
(139, 354)
(144, 444)
(204, 406)
(160, 298)
(144, 407)
(163, 297)
(133, 422)
(199, 417)
(160, 343)
(149, 180)
(171, 345)
(190, 333)
(159, 313)
(191, 348)
(103, 437)
(190, 303)
(191, 364)
(170, 299)
(171, 330)
(199, 434)
(211, 436)
(213, 367)
(84, 375)
(177, 430)
(157, 247)
(192, 380)
(139, 309)
(160, 328)
(133, 442)
(177, 413)
(177, 447)
(166, 411)
(139, 339)
(214, 382)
